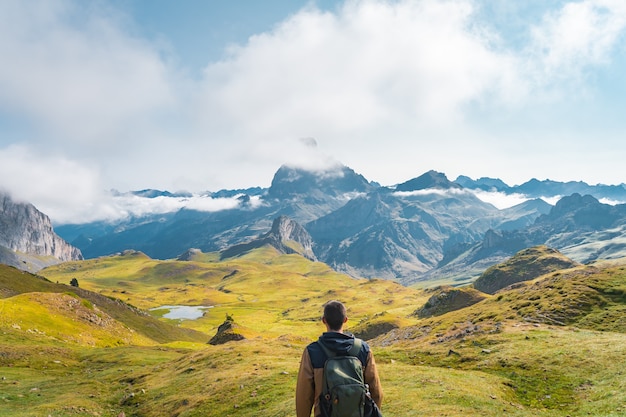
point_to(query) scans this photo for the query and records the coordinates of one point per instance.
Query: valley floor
(522, 371)
(67, 352)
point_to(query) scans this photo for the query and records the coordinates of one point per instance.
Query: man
(309, 385)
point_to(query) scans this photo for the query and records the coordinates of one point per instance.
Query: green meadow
(553, 346)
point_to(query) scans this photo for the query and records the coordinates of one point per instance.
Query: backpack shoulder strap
(356, 347)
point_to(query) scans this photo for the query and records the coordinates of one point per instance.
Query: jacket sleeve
(372, 379)
(305, 387)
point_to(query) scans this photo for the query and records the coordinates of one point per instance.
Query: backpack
(344, 391)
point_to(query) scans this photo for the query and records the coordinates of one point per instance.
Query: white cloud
(77, 73)
(552, 200)
(576, 37)
(130, 204)
(68, 192)
(497, 199)
(374, 62)
(57, 186)
(390, 88)
(500, 200)
(611, 202)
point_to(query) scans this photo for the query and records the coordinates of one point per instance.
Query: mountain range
(425, 229)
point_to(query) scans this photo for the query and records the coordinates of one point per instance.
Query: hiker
(311, 375)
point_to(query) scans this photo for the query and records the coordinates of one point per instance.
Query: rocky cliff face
(284, 230)
(26, 230)
(286, 235)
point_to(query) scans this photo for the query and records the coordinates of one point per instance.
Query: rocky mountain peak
(286, 235)
(583, 211)
(189, 254)
(291, 181)
(483, 183)
(283, 228)
(575, 202)
(431, 179)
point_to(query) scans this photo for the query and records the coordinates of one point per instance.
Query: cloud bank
(390, 88)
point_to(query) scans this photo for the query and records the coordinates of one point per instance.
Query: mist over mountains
(426, 228)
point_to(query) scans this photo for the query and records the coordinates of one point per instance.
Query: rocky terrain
(27, 240)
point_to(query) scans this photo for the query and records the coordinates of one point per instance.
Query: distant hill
(523, 266)
(587, 296)
(484, 183)
(446, 299)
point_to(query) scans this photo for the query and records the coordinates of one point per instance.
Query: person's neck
(333, 331)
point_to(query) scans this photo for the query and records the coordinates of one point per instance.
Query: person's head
(335, 315)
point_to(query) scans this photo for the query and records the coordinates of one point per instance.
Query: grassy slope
(542, 339)
(76, 315)
(498, 357)
(523, 266)
(267, 294)
(446, 299)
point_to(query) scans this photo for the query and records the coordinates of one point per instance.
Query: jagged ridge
(286, 236)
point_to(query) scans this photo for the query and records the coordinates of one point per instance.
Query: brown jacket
(309, 385)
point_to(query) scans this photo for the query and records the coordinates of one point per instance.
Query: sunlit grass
(505, 355)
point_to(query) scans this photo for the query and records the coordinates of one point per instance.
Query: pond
(183, 312)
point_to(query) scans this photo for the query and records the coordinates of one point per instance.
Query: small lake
(183, 312)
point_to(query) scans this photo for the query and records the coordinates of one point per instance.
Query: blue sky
(204, 95)
(200, 30)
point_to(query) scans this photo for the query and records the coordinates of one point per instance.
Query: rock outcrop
(285, 230)
(189, 254)
(226, 332)
(26, 232)
(286, 235)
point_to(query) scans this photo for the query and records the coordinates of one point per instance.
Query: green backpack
(344, 391)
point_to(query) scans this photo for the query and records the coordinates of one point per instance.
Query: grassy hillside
(267, 293)
(72, 314)
(445, 299)
(524, 266)
(557, 343)
(551, 346)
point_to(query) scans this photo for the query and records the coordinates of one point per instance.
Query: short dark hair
(335, 314)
